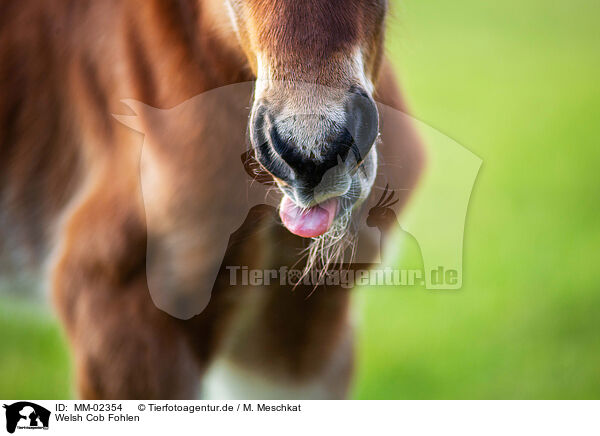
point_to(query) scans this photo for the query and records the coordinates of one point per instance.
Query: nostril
(362, 120)
(285, 149)
(268, 156)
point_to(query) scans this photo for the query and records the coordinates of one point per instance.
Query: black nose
(305, 169)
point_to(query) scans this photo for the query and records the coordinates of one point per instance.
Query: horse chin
(337, 245)
(361, 183)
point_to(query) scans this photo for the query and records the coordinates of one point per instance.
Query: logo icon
(428, 235)
(26, 415)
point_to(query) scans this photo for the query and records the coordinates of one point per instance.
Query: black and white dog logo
(26, 415)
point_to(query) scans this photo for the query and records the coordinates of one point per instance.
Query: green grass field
(517, 83)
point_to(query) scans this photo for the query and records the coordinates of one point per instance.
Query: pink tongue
(309, 223)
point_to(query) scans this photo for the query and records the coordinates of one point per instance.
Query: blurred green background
(517, 83)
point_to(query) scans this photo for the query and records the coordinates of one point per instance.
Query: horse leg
(124, 347)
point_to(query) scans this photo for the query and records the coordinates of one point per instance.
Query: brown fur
(69, 186)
